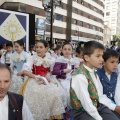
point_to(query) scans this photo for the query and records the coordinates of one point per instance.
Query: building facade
(87, 19)
(112, 16)
(77, 20)
(107, 35)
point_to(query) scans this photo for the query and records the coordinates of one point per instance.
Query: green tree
(116, 37)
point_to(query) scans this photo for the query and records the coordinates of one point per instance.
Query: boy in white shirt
(86, 91)
(5, 58)
(108, 77)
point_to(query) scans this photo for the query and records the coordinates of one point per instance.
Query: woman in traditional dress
(17, 60)
(40, 92)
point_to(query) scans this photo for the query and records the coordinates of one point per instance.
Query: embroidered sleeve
(28, 65)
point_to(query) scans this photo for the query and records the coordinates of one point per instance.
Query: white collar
(89, 69)
(4, 100)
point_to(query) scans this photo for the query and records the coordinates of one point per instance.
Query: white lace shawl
(47, 62)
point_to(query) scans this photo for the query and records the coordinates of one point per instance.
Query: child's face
(59, 51)
(95, 60)
(67, 51)
(40, 49)
(18, 48)
(80, 55)
(110, 65)
(9, 49)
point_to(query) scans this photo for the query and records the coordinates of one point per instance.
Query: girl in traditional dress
(17, 60)
(79, 57)
(64, 67)
(41, 95)
(57, 52)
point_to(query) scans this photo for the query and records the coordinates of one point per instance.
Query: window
(94, 37)
(76, 10)
(107, 13)
(81, 23)
(59, 30)
(94, 28)
(89, 16)
(75, 21)
(95, 9)
(87, 35)
(82, 13)
(96, 1)
(95, 19)
(113, 19)
(82, 2)
(88, 26)
(101, 12)
(99, 30)
(89, 6)
(48, 28)
(59, 17)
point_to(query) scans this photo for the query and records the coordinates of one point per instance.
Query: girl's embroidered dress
(17, 61)
(64, 78)
(43, 100)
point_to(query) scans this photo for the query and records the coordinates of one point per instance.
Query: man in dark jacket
(12, 106)
(117, 47)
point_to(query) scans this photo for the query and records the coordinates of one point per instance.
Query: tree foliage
(116, 37)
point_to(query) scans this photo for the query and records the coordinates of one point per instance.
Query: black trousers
(104, 112)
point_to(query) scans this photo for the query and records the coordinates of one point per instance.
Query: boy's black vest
(15, 106)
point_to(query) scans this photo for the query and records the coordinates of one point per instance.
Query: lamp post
(49, 6)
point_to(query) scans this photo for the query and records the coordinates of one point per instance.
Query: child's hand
(40, 81)
(51, 81)
(20, 74)
(67, 70)
(117, 109)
